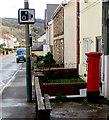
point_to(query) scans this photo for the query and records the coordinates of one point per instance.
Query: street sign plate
(26, 16)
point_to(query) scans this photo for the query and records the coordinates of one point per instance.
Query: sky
(9, 8)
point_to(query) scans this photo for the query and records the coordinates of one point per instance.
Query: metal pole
(28, 61)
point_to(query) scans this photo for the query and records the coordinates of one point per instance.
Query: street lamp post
(28, 61)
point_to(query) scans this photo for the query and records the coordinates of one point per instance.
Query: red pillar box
(93, 78)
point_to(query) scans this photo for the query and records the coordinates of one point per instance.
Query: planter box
(53, 89)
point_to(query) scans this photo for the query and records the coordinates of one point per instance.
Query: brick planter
(53, 89)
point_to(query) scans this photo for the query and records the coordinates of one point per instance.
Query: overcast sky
(9, 8)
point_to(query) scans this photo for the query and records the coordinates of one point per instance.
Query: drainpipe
(78, 34)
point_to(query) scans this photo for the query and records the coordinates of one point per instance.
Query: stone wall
(59, 23)
(58, 36)
(58, 51)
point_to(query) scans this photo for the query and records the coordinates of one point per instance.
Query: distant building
(42, 38)
(9, 41)
(38, 45)
(1, 41)
(48, 13)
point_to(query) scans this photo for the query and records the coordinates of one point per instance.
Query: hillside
(11, 25)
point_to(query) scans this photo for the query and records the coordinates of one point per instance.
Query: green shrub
(1, 50)
(48, 59)
(1, 47)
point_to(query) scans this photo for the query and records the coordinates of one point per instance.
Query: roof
(38, 46)
(49, 12)
(60, 6)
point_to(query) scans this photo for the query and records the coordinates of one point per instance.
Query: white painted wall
(90, 27)
(47, 40)
(46, 49)
(51, 32)
(70, 36)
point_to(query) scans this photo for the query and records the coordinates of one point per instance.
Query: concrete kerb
(43, 107)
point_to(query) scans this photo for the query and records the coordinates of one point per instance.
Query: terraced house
(77, 28)
(65, 34)
(48, 27)
(94, 38)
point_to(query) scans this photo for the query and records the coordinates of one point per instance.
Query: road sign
(26, 16)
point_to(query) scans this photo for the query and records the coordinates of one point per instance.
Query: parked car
(20, 54)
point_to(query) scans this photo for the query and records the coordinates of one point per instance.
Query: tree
(1, 47)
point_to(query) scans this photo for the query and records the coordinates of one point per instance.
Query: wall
(54, 89)
(51, 32)
(50, 35)
(58, 51)
(46, 49)
(58, 23)
(57, 88)
(90, 28)
(70, 34)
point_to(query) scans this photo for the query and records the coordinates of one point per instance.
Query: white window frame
(86, 48)
(99, 44)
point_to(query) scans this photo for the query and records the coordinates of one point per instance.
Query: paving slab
(14, 100)
(78, 110)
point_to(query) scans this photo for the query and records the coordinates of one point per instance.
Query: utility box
(93, 78)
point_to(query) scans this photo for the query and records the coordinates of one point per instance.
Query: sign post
(27, 16)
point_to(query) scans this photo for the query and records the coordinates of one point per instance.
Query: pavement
(14, 103)
(76, 110)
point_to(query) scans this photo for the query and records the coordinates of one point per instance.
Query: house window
(99, 44)
(86, 47)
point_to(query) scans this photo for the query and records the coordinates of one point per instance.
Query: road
(8, 69)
